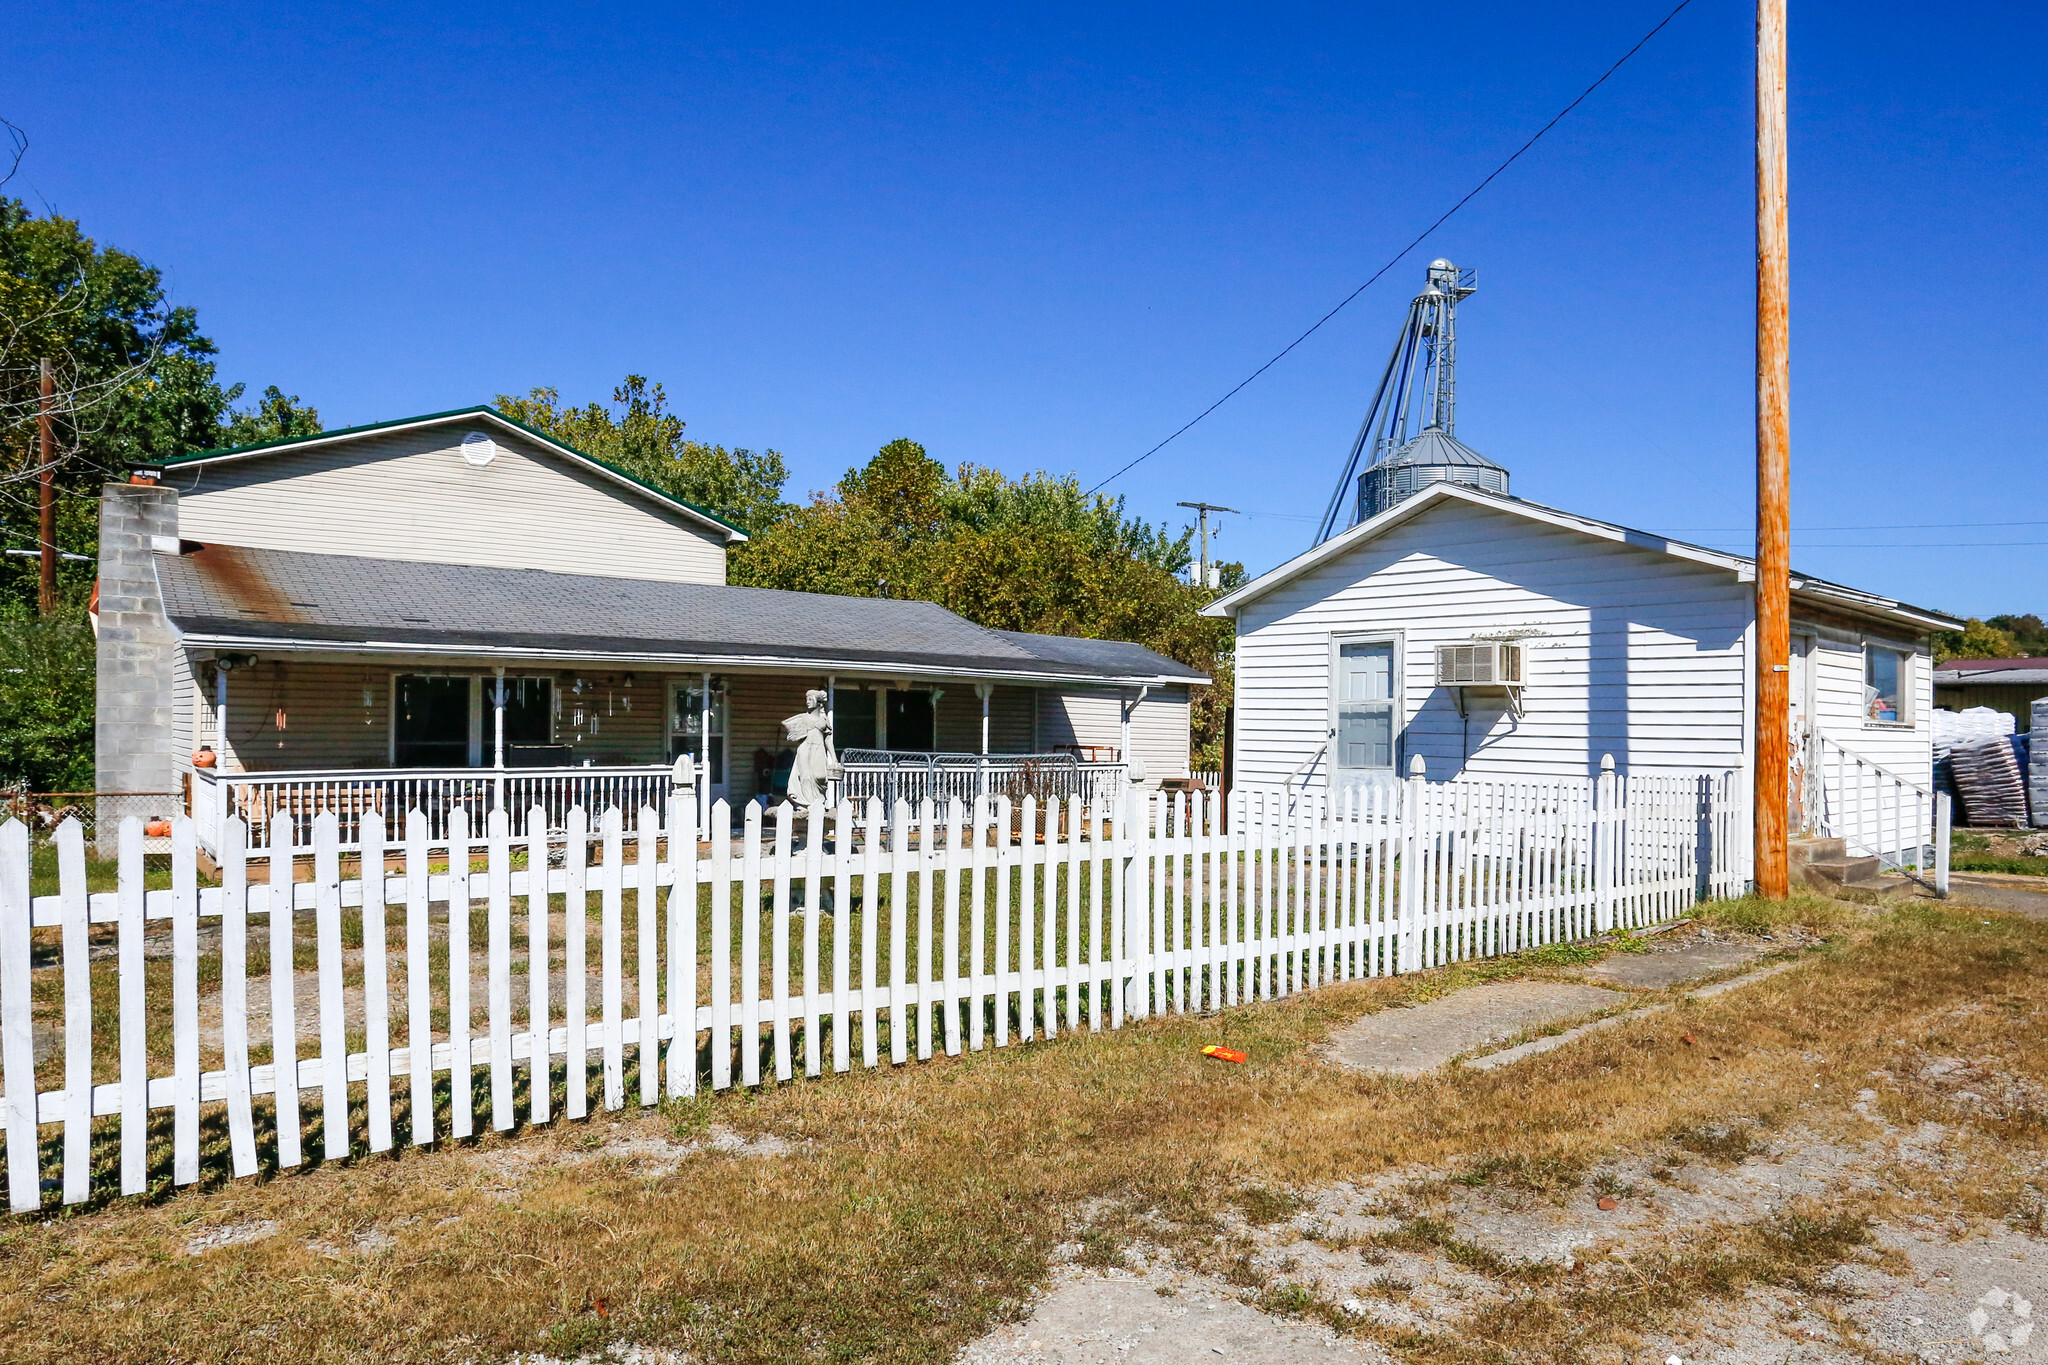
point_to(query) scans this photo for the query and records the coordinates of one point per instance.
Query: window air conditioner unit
(1487, 665)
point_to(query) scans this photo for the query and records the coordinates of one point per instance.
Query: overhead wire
(1402, 254)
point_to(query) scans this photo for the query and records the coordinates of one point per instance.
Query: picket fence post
(1604, 846)
(1409, 814)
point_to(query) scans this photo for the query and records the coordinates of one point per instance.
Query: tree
(1030, 554)
(1976, 640)
(135, 382)
(2028, 632)
(275, 417)
(46, 698)
(643, 438)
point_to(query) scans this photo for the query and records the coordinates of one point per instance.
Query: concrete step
(1805, 851)
(1834, 872)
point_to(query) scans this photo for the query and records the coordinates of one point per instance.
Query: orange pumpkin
(157, 829)
(203, 757)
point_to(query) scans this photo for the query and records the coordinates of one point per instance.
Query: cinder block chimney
(137, 644)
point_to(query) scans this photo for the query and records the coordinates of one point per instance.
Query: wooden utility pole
(46, 597)
(1773, 759)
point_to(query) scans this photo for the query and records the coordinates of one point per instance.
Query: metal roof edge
(734, 533)
(289, 644)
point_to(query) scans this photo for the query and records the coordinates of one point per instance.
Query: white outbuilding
(1491, 636)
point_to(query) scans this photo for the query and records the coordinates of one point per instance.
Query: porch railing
(1875, 812)
(935, 776)
(284, 804)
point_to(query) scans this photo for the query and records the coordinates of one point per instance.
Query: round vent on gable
(478, 449)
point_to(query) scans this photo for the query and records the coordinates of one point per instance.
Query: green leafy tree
(134, 381)
(1030, 554)
(46, 698)
(2028, 632)
(638, 434)
(275, 417)
(1976, 640)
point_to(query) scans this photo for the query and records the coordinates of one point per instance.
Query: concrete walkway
(1408, 1042)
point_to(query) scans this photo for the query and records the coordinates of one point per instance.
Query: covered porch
(291, 735)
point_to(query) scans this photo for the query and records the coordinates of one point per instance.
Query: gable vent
(478, 449)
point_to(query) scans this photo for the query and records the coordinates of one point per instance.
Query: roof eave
(1229, 604)
(1836, 595)
(286, 644)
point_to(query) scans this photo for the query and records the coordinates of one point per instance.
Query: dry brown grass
(921, 1205)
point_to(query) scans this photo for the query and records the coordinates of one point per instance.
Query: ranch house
(456, 612)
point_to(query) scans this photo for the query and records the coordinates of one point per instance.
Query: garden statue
(815, 763)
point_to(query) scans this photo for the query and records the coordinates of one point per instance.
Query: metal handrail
(1876, 823)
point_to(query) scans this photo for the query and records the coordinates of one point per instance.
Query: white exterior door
(1365, 723)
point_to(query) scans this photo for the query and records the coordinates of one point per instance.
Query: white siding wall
(410, 495)
(1458, 571)
(1838, 708)
(1159, 725)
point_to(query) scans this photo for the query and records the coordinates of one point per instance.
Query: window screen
(432, 724)
(1885, 675)
(910, 722)
(853, 720)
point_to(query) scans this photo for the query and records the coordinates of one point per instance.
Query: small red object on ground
(1223, 1054)
(1686, 1038)
(1608, 1203)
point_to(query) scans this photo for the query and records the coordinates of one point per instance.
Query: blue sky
(1044, 238)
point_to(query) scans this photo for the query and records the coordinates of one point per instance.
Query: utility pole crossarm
(1204, 509)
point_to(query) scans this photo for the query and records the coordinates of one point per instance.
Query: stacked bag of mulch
(2037, 768)
(1987, 778)
(1955, 728)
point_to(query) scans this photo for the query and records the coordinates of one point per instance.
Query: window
(529, 711)
(1887, 677)
(910, 722)
(687, 733)
(853, 720)
(432, 722)
(1365, 705)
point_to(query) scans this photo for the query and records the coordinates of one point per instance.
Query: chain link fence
(101, 813)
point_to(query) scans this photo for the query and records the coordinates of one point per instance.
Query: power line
(1400, 255)
(1906, 526)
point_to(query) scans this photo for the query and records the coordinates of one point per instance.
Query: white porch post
(498, 739)
(984, 691)
(704, 753)
(220, 744)
(1130, 704)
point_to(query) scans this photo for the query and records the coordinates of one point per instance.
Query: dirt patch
(645, 1147)
(228, 1235)
(1408, 1042)
(1125, 1318)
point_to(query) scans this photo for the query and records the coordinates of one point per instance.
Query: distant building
(2009, 685)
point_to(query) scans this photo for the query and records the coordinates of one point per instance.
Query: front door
(1805, 795)
(1365, 724)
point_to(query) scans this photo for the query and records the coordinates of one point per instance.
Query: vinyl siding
(1159, 725)
(327, 724)
(410, 495)
(1906, 750)
(1629, 652)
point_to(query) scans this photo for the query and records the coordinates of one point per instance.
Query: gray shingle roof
(1109, 656)
(225, 593)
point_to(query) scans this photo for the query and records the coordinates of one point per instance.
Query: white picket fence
(948, 927)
